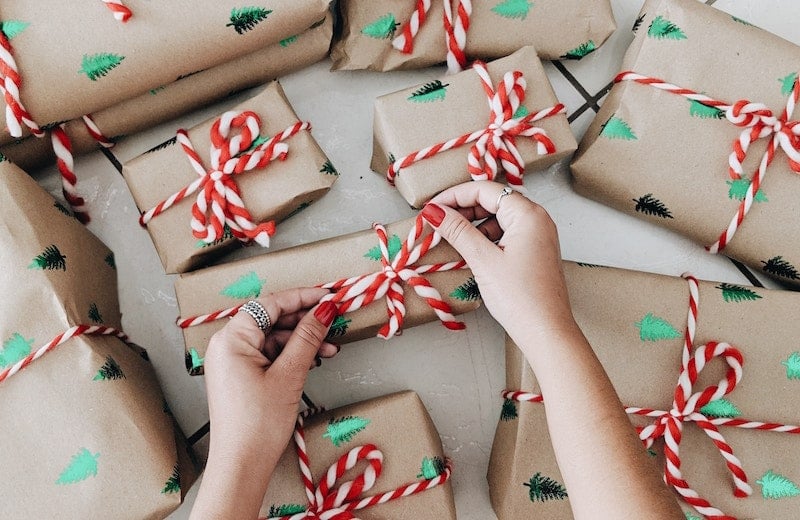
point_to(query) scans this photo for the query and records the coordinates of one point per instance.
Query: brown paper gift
(639, 341)
(190, 92)
(414, 119)
(558, 30)
(399, 427)
(86, 431)
(274, 192)
(207, 296)
(628, 158)
(96, 62)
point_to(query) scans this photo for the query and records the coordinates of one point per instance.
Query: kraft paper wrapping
(633, 165)
(97, 62)
(271, 193)
(403, 126)
(185, 95)
(85, 425)
(558, 30)
(400, 427)
(208, 290)
(760, 323)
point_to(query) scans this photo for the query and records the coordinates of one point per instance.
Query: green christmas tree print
(3, 158)
(96, 66)
(51, 259)
(792, 365)
(591, 266)
(736, 293)
(338, 327)
(433, 91)
(154, 91)
(344, 429)
(431, 468)
(775, 486)
(285, 510)
(12, 28)
(721, 408)
(690, 516)
(329, 168)
(94, 314)
(15, 349)
(638, 22)
(616, 128)
(288, 41)
(194, 363)
(653, 328)
(298, 209)
(743, 22)
(226, 235)
(737, 190)
(382, 29)
(542, 489)
(521, 112)
(650, 205)
(82, 466)
(110, 261)
(777, 266)
(651, 452)
(580, 51)
(166, 144)
(509, 410)
(110, 371)
(173, 484)
(244, 19)
(393, 246)
(61, 208)
(247, 286)
(516, 9)
(698, 109)
(661, 29)
(787, 83)
(468, 291)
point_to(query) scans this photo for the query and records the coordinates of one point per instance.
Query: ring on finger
(506, 191)
(256, 310)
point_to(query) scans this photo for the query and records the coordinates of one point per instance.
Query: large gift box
(698, 145)
(558, 29)
(86, 431)
(188, 93)
(390, 441)
(498, 118)
(745, 341)
(382, 280)
(258, 157)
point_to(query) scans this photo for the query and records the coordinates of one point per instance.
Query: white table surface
(458, 375)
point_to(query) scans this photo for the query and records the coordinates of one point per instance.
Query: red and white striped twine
(121, 13)
(494, 148)
(328, 502)
(72, 332)
(353, 293)
(219, 203)
(686, 408)
(758, 122)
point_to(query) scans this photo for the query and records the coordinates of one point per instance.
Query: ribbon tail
(261, 233)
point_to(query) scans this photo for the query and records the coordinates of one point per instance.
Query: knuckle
(308, 334)
(454, 229)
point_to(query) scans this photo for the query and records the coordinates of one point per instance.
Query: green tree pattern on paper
(650, 205)
(468, 291)
(94, 314)
(338, 327)
(433, 91)
(15, 349)
(721, 408)
(737, 190)
(542, 489)
(110, 371)
(154, 91)
(173, 484)
(194, 363)
(244, 19)
(288, 41)
(393, 246)
(431, 468)
(653, 328)
(50, 259)
(580, 51)
(690, 516)
(743, 22)
(383, 28)
(62, 209)
(3, 158)
(787, 83)
(247, 286)
(736, 293)
(638, 22)
(517, 9)
(12, 28)
(110, 261)
(661, 28)
(226, 235)
(344, 429)
(297, 210)
(329, 168)
(169, 142)
(285, 510)
(82, 466)
(521, 112)
(792, 365)
(616, 128)
(509, 410)
(775, 486)
(96, 66)
(777, 266)
(703, 111)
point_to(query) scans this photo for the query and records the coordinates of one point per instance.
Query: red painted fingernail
(433, 214)
(325, 313)
(338, 348)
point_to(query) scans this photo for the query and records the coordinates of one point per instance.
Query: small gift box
(404, 34)
(696, 145)
(732, 365)
(255, 163)
(382, 280)
(500, 117)
(385, 452)
(86, 430)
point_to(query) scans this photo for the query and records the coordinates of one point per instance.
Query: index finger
(277, 305)
(484, 197)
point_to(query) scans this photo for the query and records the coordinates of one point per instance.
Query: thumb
(304, 343)
(465, 238)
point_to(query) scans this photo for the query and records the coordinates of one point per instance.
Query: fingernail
(338, 348)
(433, 214)
(325, 313)
(318, 361)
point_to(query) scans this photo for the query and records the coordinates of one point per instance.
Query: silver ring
(506, 191)
(259, 314)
